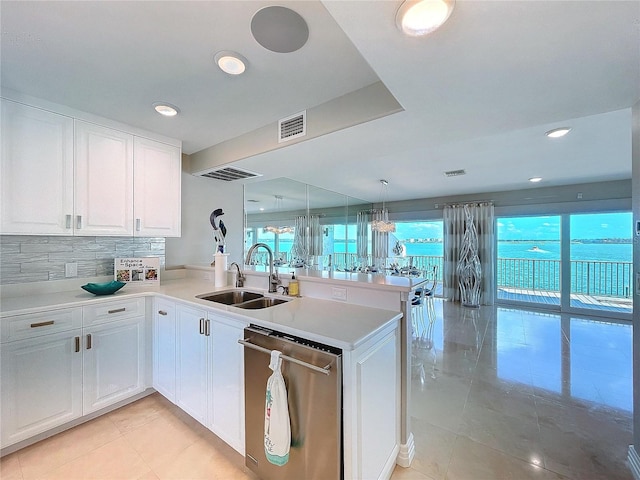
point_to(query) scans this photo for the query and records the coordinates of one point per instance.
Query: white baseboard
(634, 462)
(408, 451)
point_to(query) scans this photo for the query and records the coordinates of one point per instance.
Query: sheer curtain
(454, 228)
(362, 237)
(379, 240)
(307, 239)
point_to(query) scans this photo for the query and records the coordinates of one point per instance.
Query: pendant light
(382, 224)
(278, 230)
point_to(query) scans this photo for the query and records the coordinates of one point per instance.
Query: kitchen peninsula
(157, 323)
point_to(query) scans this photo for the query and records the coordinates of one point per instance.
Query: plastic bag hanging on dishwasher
(277, 427)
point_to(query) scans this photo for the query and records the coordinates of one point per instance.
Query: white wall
(200, 197)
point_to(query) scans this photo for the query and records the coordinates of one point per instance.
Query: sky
(583, 226)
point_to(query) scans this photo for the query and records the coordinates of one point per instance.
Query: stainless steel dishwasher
(313, 376)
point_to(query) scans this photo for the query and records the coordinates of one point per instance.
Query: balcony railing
(588, 277)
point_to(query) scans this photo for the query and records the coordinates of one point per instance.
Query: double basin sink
(242, 299)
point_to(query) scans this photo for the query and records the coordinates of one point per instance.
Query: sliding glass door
(580, 263)
(601, 262)
(529, 261)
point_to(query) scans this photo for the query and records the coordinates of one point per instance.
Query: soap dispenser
(294, 290)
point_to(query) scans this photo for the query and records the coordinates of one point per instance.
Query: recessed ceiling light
(421, 17)
(558, 132)
(166, 109)
(231, 62)
(535, 179)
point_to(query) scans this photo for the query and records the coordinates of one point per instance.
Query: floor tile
(138, 413)
(161, 440)
(115, 460)
(51, 453)
(10, 467)
(434, 446)
(474, 461)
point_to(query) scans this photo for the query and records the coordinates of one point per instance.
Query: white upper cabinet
(103, 181)
(36, 171)
(157, 191)
(99, 181)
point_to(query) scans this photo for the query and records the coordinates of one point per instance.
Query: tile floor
(498, 393)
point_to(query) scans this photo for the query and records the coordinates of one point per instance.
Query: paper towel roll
(221, 269)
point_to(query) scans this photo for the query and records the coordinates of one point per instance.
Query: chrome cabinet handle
(42, 324)
(79, 222)
(202, 326)
(77, 344)
(89, 342)
(117, 310)
(161, 312)
(68, 222)
(207, 327)
(138, 224)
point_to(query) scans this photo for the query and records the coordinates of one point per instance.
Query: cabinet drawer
(112, 311)
(19, 327)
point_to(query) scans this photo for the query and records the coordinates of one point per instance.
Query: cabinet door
(164, 349)
(41, 384)
(103, 181)
(191, 362)
(157, 177)
(114, 359)
(36, 170)
(227, 381)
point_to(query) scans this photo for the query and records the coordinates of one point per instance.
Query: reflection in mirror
(323, 224)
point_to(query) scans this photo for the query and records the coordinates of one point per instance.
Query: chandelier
(382, 224)
(278, 230)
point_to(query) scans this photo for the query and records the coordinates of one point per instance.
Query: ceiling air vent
(292, 127)
(228, 174)
(454, 173)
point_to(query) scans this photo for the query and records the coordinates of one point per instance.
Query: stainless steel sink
(258, 303)
(242, 299)
(232, 297)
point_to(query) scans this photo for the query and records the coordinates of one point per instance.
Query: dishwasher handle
(326, 370)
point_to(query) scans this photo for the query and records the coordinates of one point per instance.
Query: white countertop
(354, 279)
(334, 323)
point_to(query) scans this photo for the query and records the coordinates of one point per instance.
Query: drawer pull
(161, 312)
(42, 324)
(77, 344)
(89, 342)
(117, 310)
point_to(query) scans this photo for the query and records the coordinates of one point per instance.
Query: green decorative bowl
(103, 288)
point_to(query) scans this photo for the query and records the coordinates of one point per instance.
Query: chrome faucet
(274, 281)
(240, 277)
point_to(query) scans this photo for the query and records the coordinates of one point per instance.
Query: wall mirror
(305, 226)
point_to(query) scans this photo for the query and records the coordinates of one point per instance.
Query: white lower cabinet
(41, 384)
(209, 373)
(192, 345)
(227, 381)
(58, 366)
(164, 348)
(113, 363)
(372, 407)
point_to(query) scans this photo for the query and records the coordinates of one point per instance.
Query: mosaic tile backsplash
(26, 258)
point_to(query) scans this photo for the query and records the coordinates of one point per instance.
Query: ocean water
(542, 250)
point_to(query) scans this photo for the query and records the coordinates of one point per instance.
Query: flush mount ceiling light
(166, 109)
(230, 62)
(535, 179)
(558, 132)
(421, 17)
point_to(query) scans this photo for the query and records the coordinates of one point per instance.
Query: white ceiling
(478, 94)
